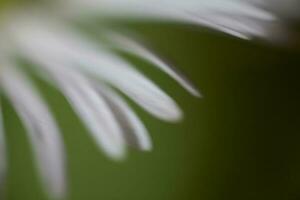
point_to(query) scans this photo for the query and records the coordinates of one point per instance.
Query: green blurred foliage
(8, 4)
(240, 141)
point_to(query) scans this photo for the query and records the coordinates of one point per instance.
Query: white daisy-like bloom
(88, 72)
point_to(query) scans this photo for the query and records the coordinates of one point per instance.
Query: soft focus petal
(129, 45)
(134, 130)
(263, 18)
(42, 130)
(38, 43)
(91, 108)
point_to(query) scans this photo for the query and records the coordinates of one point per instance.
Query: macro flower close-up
(91, 54)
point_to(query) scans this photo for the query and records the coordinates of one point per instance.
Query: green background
(241, 141)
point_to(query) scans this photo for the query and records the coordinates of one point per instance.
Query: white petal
(134, 130)
(171, 8)
(38, 41)
(91, 108)
(178, 10)
(42, 130)
(240, 26)
(129, 45)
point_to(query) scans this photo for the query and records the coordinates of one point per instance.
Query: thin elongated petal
(134, 130)
(201, 12)
(37, 42)
(264, 18)
(42, 130)
(91, 108)
(129, 45)
(172, 8)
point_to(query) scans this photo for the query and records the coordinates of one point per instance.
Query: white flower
(86, 72)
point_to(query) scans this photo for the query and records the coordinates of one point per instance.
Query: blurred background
(240, 141)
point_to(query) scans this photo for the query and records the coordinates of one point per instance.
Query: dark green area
(241, 141)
